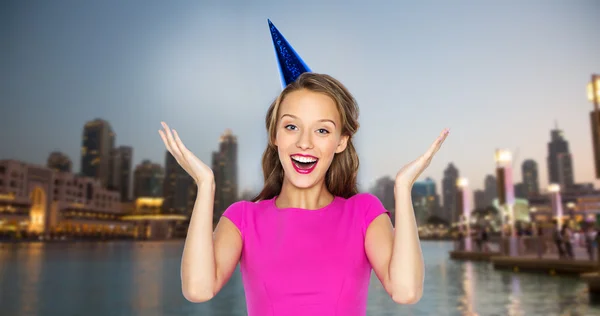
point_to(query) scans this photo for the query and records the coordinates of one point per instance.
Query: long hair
(340, 178)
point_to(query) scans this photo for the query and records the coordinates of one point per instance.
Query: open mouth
(304, 164)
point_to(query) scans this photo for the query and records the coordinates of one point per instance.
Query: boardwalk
(534, 254)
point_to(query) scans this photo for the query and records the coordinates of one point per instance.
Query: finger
(165, 138)
(169, 149)
(180, 144)
(180, 160)
(175, 151)
(172, 148)
(435, 146)
(185, 152)
(165, 141)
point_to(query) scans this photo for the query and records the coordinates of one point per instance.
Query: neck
(312, 198)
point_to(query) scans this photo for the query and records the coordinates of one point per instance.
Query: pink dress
(305, 262)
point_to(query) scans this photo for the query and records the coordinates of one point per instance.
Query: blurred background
(94, 210)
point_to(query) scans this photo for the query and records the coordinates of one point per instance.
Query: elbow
(407, 297)
(197, 296)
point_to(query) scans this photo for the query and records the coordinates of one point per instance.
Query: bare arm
(209, 259)
(396, 255)
(406, 268)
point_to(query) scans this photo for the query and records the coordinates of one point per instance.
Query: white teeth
(304, 159)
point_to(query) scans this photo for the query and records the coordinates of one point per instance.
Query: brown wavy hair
(340, 178)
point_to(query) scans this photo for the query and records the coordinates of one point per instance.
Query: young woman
(309, 241)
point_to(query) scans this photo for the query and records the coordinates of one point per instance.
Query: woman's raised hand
(199, 171)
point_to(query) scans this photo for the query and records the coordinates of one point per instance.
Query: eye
(290, 127)
(322, 131)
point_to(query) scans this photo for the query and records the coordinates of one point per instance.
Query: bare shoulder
(229, 240)
(225, 226)
(379, 240)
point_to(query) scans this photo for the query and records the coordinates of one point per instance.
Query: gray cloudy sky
(499, 75)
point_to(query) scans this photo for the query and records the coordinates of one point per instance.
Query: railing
(533, 246)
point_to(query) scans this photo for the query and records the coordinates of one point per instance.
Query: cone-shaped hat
(291, 66)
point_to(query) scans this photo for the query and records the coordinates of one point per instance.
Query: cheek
(329, 148)
(282, 141)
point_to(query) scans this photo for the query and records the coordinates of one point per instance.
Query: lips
(304, 164)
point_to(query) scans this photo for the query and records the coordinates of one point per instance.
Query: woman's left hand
(407, 176)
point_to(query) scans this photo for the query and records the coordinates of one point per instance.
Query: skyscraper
(479, 198)
(96, 150)
(531, 183)
(384, 191)
(520, 190)
(560, 165)
(425, 200)
(224, 166)
(490, 190)
(148, 180)
(120, 166)
(450, 190)
(424, 188)
(176, 187)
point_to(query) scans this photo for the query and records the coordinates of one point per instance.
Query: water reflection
(30, 265)
(147, 274)
(514, 308)
(124, 278)
(467, 300)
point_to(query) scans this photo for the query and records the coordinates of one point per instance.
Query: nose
(304, 140)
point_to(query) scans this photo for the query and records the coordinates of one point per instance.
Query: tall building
(225, 169)
(58, 161)
(424, 188)
(384, 191)
(479, 198)
(148, 180)
(490, 190)
(425, 200)
(176, 187)
(529, 170)
(594, 119)
(560, 164)
(121, 164)
(96, 150)
(450, 190)
(520, 190)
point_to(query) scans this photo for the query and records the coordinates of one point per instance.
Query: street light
(503, 156)
(462, 182)
(506, 198)
(593, 95)
(465, 204)
(594, 85)
(505, 185)
(556, 202)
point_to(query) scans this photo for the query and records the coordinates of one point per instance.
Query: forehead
(309, 105)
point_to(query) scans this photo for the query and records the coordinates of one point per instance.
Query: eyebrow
(322, 120)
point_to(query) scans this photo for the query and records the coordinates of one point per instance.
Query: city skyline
(500, 85)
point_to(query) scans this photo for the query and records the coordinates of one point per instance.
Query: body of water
(142, 278)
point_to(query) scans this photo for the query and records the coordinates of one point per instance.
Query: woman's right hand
(199, 171)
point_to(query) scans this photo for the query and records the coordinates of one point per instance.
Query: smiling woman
(314, 117)
(308, 242)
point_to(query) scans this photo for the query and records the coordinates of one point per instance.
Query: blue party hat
(291, 66)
